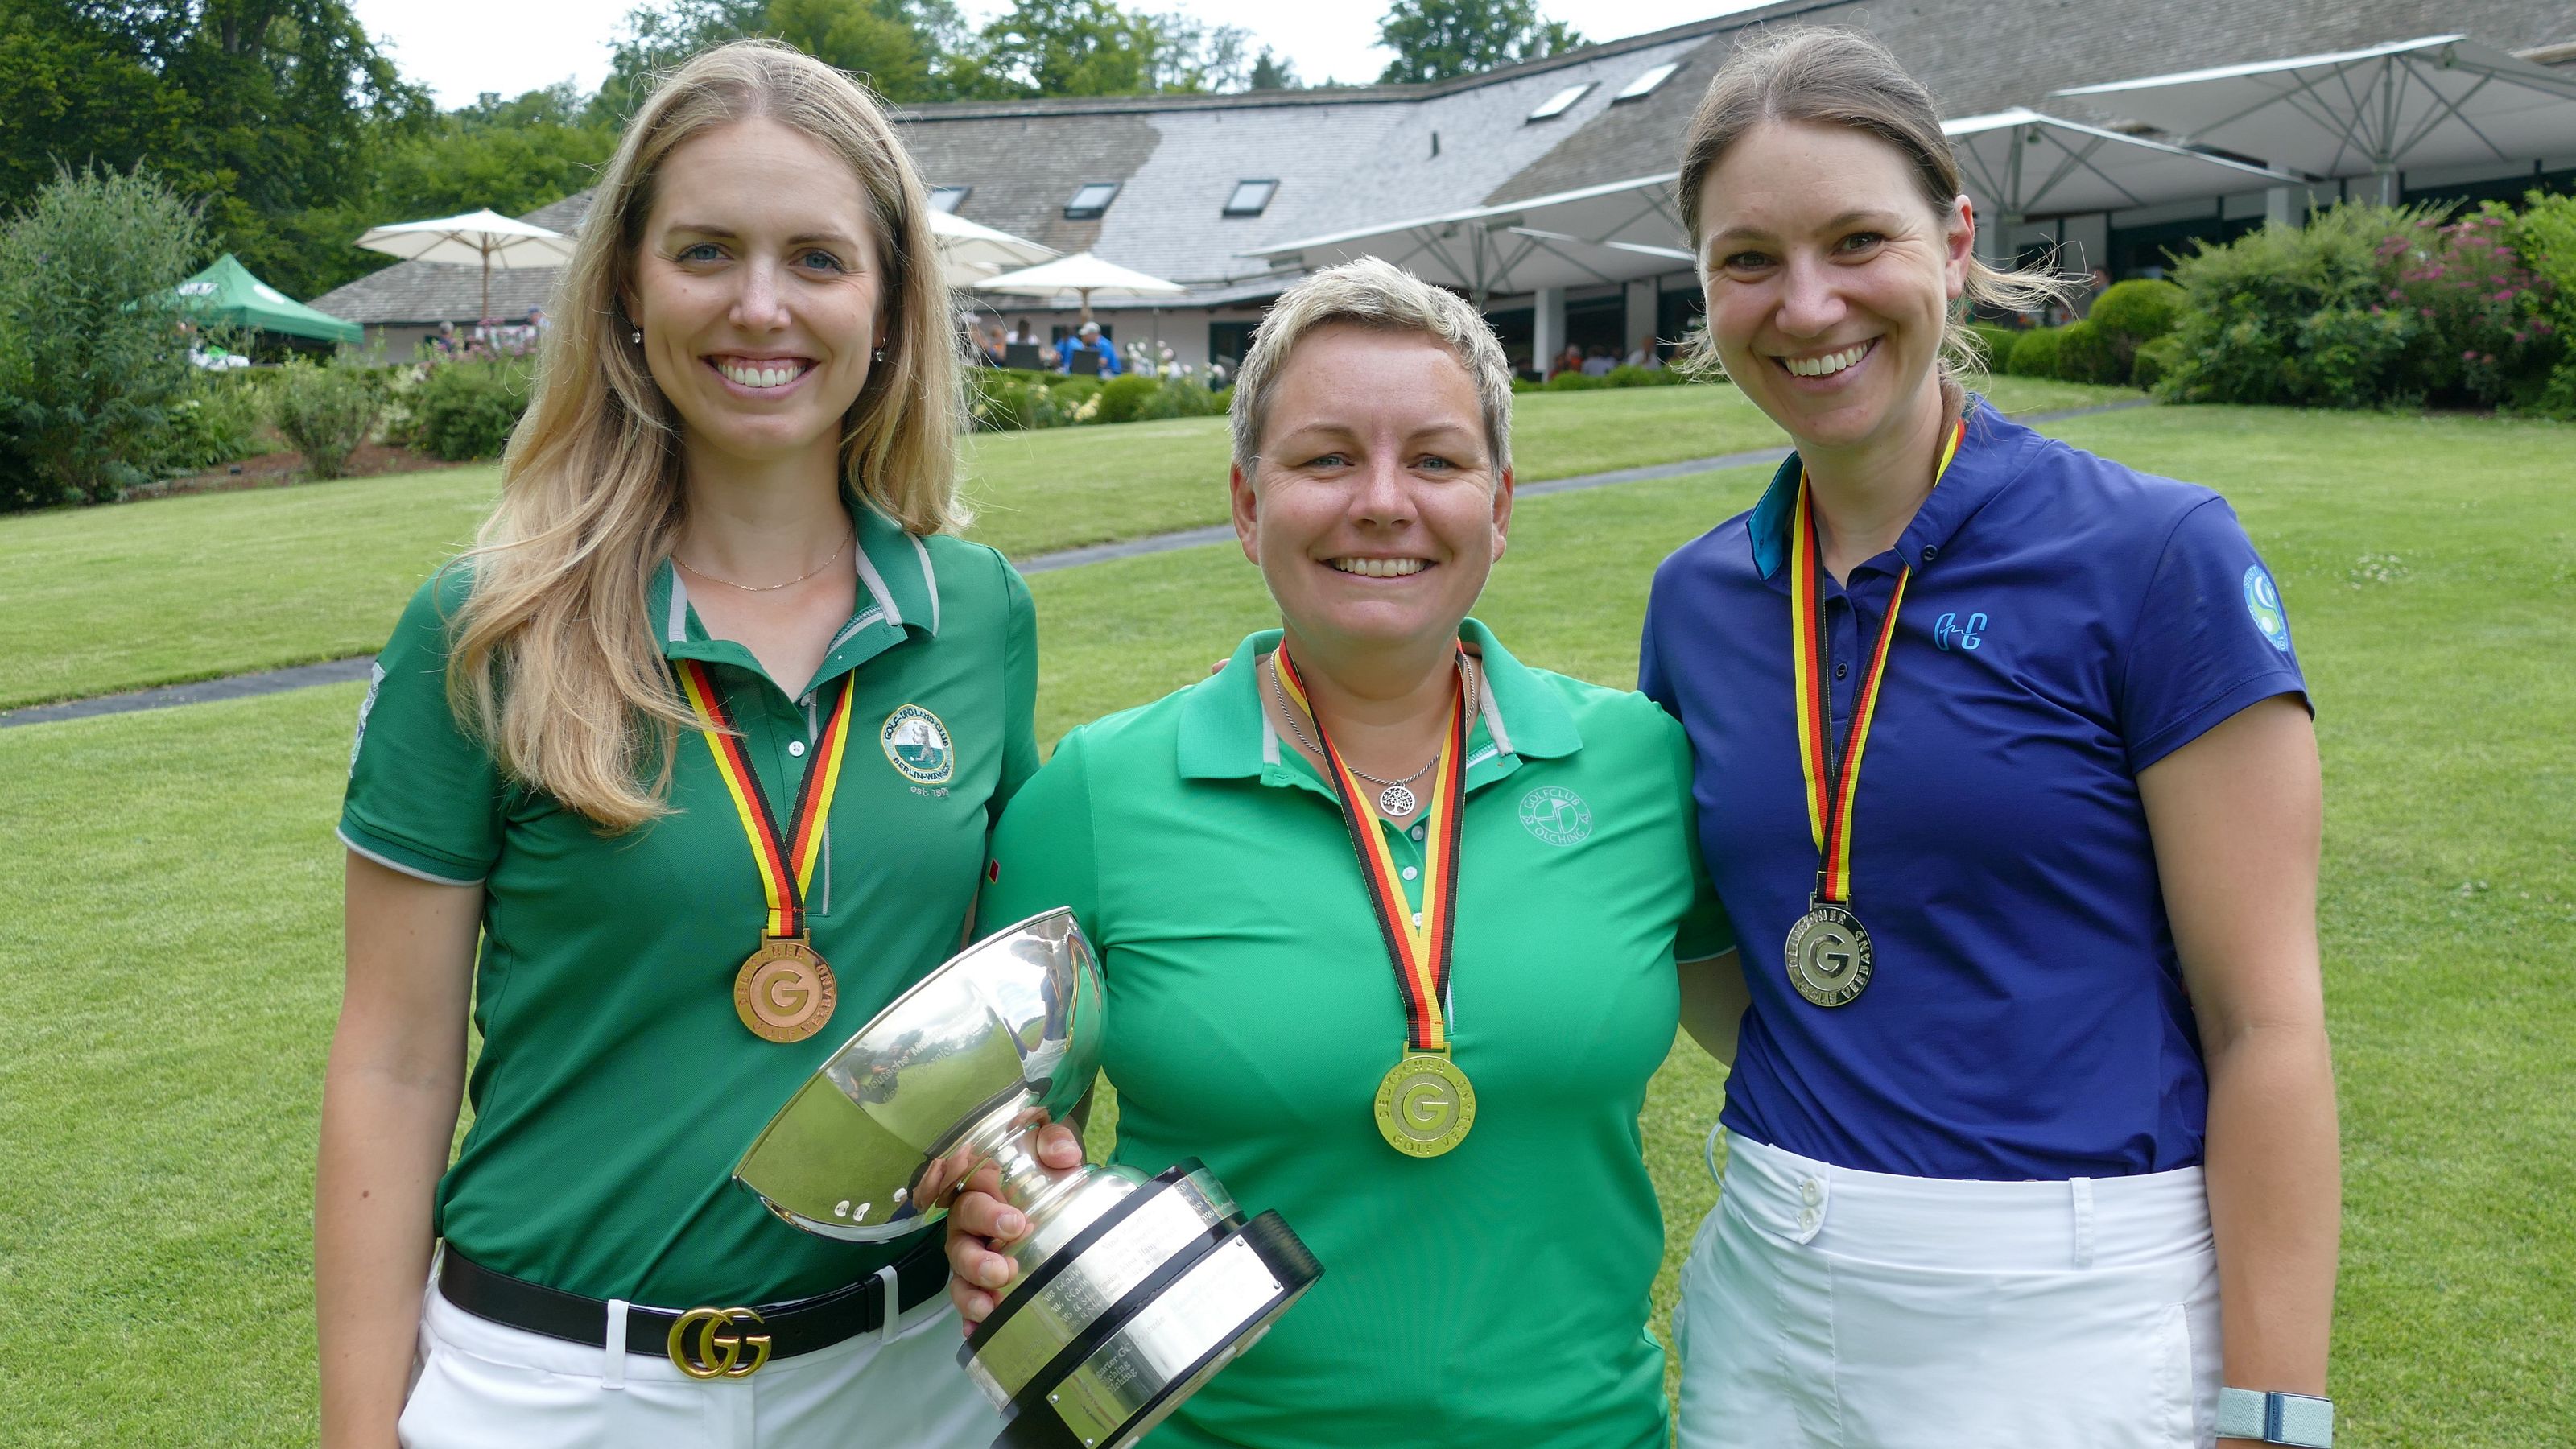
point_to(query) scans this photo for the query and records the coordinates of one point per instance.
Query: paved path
(339, 671)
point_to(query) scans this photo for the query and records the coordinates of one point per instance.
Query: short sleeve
(1042, 855)
(1019, 690)
(2212, 637)
(423, 797)
(1704, 931)
(1650, 665)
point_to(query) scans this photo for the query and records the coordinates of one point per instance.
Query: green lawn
(172, 963)
(192, 588)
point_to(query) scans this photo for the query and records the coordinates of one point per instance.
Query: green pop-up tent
(228, 292)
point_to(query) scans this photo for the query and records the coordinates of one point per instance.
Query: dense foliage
(467, 410)
(1008, 401)
(92, 360)
(324, 412)
(1436, 40)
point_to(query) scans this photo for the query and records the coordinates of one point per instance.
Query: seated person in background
(1570, 360)
(1090, 340)
(442, 343)
(1023, 331)
(1599, 363)
(1049, 358)
(990, 349)
(1645, 356)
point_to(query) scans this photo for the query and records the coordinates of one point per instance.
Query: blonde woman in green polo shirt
(702, 745)
(1448, 1113)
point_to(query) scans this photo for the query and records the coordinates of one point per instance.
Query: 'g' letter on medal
(1425, 1105)
(784, 992)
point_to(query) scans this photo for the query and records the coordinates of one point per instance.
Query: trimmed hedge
(2155, 362)
(1998, 343)
(465, 410)
(2138, 311)
(2087, 352)
(2035, 352)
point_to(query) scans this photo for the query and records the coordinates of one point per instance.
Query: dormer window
(1644, 85)
(1556, 105)
(1091, 201)
(1250, 197)
(948, 198)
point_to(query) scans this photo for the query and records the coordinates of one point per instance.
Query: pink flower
(2470, 356)
(2427, 311)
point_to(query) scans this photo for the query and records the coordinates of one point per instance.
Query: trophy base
(1137, 1310)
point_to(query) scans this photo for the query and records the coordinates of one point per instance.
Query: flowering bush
(2544, 236)
(2487, 315)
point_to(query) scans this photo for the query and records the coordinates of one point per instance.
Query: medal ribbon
(1420, 953)
(1831, 792)
(786, 860)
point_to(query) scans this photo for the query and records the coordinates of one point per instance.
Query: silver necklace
(1395, 797)
(766, 588)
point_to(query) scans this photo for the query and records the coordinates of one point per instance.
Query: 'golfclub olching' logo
(1948, 631)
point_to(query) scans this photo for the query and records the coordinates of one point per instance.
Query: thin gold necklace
(766, 588)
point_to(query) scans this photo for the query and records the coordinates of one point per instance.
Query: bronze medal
(785, 992)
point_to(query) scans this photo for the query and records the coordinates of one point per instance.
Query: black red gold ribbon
(786, 858)
(1832, 790)
(1420, 952)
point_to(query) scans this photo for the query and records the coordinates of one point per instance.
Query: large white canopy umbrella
(971, 253)
(2442, 100)
(1611, 232)
(2018, 163)
(477, 236)
(1081, 273)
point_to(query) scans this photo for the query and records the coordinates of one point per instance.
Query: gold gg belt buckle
(708, 1343)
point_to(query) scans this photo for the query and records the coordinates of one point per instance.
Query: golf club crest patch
(2263, 601)
(917, 745)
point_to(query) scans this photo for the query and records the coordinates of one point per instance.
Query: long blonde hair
(554, 662)
(1843, 78)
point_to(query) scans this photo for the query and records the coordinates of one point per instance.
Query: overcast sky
(460, 48)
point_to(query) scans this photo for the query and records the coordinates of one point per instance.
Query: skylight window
(1556, 105)
(1644, 85)
(1250, 197)
(948, 198)
(1091, 201)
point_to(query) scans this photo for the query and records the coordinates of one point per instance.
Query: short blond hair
(1372, 293)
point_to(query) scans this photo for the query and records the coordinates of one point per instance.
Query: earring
(880, 354)
(636, 336)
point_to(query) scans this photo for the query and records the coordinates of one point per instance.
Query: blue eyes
(702, 253)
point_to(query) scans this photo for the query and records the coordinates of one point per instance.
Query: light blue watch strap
(2293, 1419)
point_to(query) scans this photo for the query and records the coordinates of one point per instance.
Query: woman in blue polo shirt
(2006, 778)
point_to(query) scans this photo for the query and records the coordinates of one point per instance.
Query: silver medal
(1829, 954)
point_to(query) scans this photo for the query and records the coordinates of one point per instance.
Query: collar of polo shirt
(1991, 455)
(898, 597)
(1225, 733)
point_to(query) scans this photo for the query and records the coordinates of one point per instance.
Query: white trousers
(1858, 1310)
(480, 1385)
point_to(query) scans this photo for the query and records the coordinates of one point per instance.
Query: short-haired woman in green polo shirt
(714, 624)
(1388, 921)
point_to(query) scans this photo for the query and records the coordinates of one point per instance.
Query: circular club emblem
(1829, 956)
(1425, 1105)
(1556, 816)
(917, 745)
(785, 992)
(2263, 601)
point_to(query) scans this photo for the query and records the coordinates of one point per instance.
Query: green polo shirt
(1495, 1295)
(616, 1086)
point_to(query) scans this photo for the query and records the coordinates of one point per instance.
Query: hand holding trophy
(1131, 1291)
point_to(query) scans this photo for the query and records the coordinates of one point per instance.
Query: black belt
(709, 1342)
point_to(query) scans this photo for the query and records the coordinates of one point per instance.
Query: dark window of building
(1250, 197)
(1091, 201)
(1230, 342)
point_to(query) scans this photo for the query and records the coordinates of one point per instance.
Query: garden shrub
(2034, 353)
(1177, 397)
(323, 412)
(2544, 236)
(95, 357)
(1575, 382)
(215, 422)
(468, 410)
(2088, 353)
(2154, 362)
(1626, 376)
(2138, 311)
(1120, 396)
(1995, 343)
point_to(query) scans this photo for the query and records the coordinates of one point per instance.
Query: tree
(1271, 73)
(1437, 40)
(907, 49)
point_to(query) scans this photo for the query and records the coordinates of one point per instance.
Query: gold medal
(1425, 1105)
(785, 992)
(1829, 957)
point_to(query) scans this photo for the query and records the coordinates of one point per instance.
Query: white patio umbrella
(970, 252)
(2017, 164)
(2442, 100)
(1613, 231)
(1083, 274)
(477, 236)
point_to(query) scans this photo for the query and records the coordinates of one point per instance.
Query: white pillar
(2278, 209)
(1640, 297)
(1547, 328)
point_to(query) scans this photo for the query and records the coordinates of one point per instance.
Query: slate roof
(1358, 156)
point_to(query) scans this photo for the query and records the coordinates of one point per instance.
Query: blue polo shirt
(2069, 623)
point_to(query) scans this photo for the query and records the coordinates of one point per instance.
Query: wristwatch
(2294, 1419)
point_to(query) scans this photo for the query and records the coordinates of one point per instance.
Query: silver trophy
(1132, 1291)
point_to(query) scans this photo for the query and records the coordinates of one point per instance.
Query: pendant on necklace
(1396, 800)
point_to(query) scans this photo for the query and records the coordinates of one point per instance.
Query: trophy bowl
(1131, 1291)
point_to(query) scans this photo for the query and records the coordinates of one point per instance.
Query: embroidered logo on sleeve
(2263, 601)
(366, 706)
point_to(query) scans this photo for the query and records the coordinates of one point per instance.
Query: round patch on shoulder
(2263, 601)
(1556, 816)
(917, 745)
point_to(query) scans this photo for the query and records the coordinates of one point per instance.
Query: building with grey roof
(1194, 188)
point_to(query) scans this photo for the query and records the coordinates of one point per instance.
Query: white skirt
(1827, 1307)
(482, 1385)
